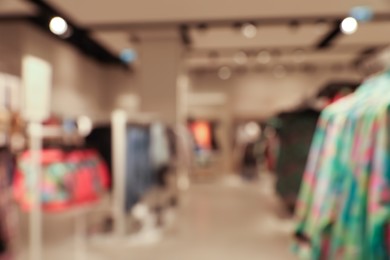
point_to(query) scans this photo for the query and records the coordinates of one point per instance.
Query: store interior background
(193, 59)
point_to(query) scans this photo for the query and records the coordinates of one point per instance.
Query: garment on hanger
(69, 179)
(215, 146)
(139, 170)
(202, 134)
(344, 203)
(172, 140)
(159, 146)
(160, 152)
(100, 139)
(295, 131)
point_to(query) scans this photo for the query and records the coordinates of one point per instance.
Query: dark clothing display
(249, 162)
(249, 158)
(161, 175)
(295, 132)
(172, 142)
(214, 141)
(147, 156)
(100, 139)
(6, 167)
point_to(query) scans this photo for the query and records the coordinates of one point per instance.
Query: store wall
(78, 81)
(81, 85)
(257, 95)
(84, 86)
(10, 48)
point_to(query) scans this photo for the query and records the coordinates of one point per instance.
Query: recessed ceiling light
(224, 73)
(241, 58)
(249, 30)
(263, 57)
(349, 25)
(58, 26)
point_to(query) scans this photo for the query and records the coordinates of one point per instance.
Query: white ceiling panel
(315, 58)
(16, 7)
(269, 36)
(368, 34)
(124, 11)
(323, 57)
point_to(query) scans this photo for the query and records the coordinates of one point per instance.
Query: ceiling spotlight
(224, 73)
(58, 26)
(249, 30)
(349, 25)
(241, 58)
(263, 57)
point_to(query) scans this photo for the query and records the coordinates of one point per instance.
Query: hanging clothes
(249, 162)
(159, 146)
(160, 152)
(202, 134)
(295, 132)
(6, 222)
(140, 176)
(343, 210)
(69, 179)
(100, 139)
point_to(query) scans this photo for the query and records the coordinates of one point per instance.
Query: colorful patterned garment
(68, 179)
(344, 204)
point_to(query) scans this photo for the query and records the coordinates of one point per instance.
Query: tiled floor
(224, 220)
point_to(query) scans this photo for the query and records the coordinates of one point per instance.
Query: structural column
(160, 65)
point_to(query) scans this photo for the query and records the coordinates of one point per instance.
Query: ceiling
(212, 26)
(16, 7)
(92, 12)
(269, 36)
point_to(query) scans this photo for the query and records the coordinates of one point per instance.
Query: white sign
(37, 81)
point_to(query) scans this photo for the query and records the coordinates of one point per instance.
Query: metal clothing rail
(37, 132)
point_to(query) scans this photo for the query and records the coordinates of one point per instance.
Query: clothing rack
(37, 132)
(119, 120)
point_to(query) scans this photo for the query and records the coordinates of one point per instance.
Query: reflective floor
(222, 220)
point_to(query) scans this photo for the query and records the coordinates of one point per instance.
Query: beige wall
(81, 85)
(10, 48)
(256, 95)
